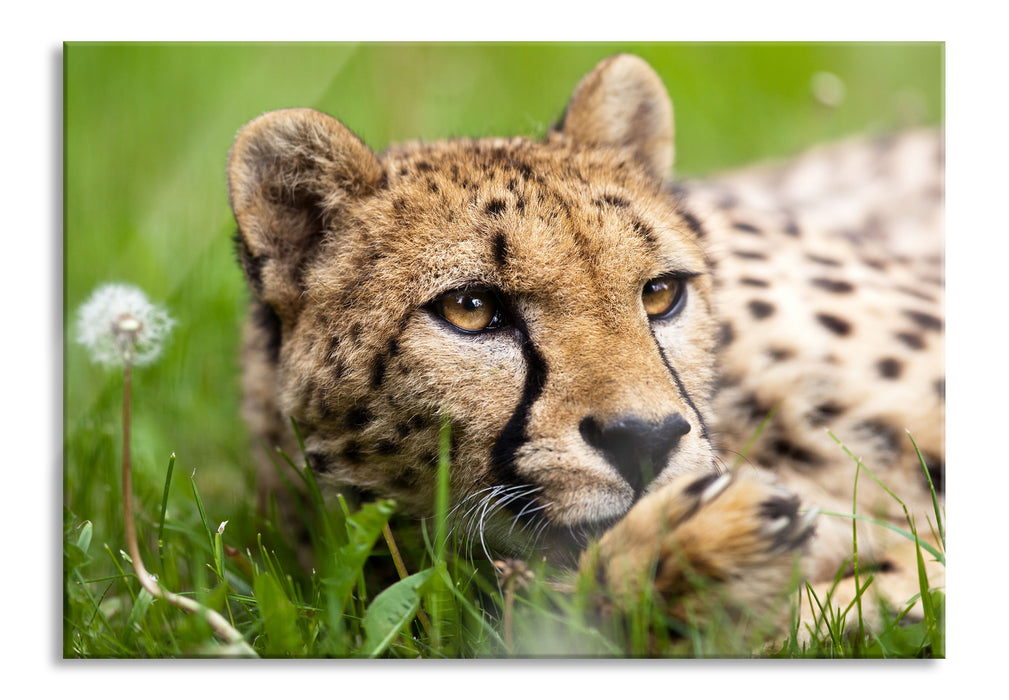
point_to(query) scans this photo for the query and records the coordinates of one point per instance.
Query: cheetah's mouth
(505, 535)
(561, 545)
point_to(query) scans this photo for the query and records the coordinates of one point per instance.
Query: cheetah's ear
(290, 175)
(623, 103)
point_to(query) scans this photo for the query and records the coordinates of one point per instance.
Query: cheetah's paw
(720, 539)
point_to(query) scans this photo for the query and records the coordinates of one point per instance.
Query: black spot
(729, 379)
(890, 367)
(875, 263)
(726, 334)
(753, 409)
(926, 321)
(358, 495)
(352, 452)
(835, 286)
(749, 255)
(429, 459)
(525, 170)
(760, 309)
(318, 462)
(402, 430)
(753, 282)
(780, 354)
(912, 340)
(825, 412)
(387, 447)
(404, 481)
(788, 450)
(418, 422)
(829, 262)
(424, 167)
(613, 200)
(500, 247)
(432, 186)
(357, 418)
(645, 231)
(693, 223)
(877, 429)
(792, 229)
(745, 227)
(378, 372)
(936, 471)
(940, 387)
(835, 325)
(399, 205)
(321, 403)
(495, 207)
(332, 347)
(393, 348)
(268, 321)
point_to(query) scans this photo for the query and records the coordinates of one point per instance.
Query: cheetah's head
(549, 300)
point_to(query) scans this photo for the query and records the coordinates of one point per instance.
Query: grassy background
(147, 129)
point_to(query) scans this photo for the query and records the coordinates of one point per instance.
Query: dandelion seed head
(119, 326)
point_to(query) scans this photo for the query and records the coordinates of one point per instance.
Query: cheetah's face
(547, 300)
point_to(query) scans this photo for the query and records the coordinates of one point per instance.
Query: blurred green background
(146, 134)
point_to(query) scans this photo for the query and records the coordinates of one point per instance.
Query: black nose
(637, 448)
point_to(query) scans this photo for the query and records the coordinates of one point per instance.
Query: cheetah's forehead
(513, 213)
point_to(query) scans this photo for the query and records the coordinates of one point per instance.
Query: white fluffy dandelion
(119, 326)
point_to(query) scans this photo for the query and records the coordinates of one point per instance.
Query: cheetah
(637, 373)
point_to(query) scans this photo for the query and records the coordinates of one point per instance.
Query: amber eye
(663, 296)
(470, 310)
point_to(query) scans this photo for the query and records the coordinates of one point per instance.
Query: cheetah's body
(813, 292)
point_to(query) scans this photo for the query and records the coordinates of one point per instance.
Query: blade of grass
(756, 434)
(854, 561)
(927, 607)
(939, 556)
(931, 488)
(164, 509)
(203, 512)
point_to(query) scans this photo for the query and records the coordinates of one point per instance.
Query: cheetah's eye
(471, 310)
(663, 297)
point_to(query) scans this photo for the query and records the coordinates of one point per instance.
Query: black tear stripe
(679, 385)
(514, 434)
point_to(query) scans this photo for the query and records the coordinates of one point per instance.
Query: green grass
(147, 129)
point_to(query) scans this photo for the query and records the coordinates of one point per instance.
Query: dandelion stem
(213, 618)
(397, 559)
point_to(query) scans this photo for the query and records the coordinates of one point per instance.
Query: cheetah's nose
(638, 449)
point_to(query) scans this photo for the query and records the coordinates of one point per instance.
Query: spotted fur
(813, 298)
